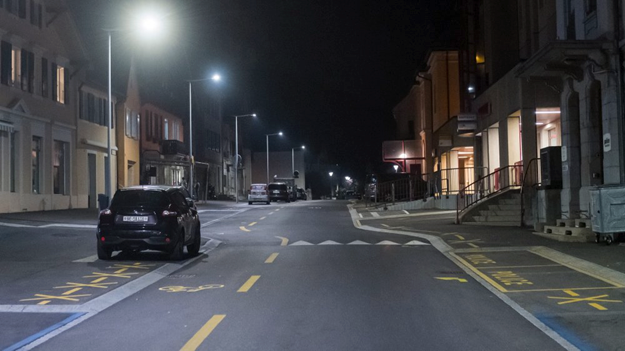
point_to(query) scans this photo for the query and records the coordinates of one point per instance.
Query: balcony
(173, 148)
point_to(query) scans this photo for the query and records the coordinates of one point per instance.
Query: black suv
(279, 192)
(149, 218)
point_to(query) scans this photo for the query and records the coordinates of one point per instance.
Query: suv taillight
(167, 213)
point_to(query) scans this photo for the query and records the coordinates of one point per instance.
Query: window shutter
(66, 81)
(24, 70)
(5, 62)
(40, 16)
(44, 77)
(54, 81)
(22, 8)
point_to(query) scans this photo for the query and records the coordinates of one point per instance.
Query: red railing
(487, 186)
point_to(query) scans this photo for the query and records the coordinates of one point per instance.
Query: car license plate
(276, 191)
(135, 218)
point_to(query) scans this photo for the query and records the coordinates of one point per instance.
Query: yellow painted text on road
(478, 259)
(249, 283)
(190, 289)
(271, 258)
(460, 237)
(510, 278)
(244, 229)
(203, 333)
(252, 224)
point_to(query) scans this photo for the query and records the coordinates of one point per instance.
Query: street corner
(20, 329)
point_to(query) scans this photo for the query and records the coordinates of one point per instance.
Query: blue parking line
(566, 334)
(44, 332)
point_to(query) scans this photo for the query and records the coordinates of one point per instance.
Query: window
(33, 13)
(22, 8)
(132, 124)
(176, 131)
(94, 109)
(591, 6)
(16, 60)
(59, 85)
(60, 172)
(44, 77)
(27, 67)
(6, 52)
(40, 16)
(13, 160)
(36, 164)
(166, 134)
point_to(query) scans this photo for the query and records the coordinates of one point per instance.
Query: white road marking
(222, 218)
(387, 242)
(329, 242)
(55, 225)
(406, 212)
(88, 259)
(301, 243)
(375, 214)
(415, 243)
(358, 242)
(227, 210)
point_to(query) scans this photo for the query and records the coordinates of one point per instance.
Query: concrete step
(495, 224)
(501, 207)
(500, 213)
(568, 238)
(510, 202)
(481, 219)
(565, 223)
(583, 223)
(550, 229)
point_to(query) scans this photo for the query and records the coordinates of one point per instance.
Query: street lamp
(150, 24)
(215, 78)
(396, 167)
(236, 151)
(293, 158)
(267, 137)
(348, 178)
(330, 174)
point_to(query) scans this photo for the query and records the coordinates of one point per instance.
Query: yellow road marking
(478, 272)
(560, 289)
(598, 306)
(111, 275)
(95, 281)
(465, 242)
(570, 292)
(452, 233)
(121, 270)
(248, 284)
(285, 241)
(81, 285)
(203, 333)
(271, 258)
(473, 245)
(459, 237)
(44, 302)
(580, 299)
(134, 266)
(244, 229)
(528, 266)
(262, 218)
(385, 225)
(69, 292)
(358, 223)
(252, 224)
(461, 280)
(52, 297)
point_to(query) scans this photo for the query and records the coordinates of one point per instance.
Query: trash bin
(103, 202)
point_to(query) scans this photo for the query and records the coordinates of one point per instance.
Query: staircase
(569, 230)
(500, 210)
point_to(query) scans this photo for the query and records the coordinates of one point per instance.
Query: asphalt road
(294, 276)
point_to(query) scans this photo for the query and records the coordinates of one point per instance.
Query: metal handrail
(529, 168)
(493, 183)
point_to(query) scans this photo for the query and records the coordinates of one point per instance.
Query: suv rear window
(277, 187)
(259, 187)
(133, 198)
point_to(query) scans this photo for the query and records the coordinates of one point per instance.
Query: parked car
(301, 194)
(258, 193)
(149, 218)
(279, 192)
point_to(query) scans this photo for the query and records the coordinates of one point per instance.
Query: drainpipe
(619, 71)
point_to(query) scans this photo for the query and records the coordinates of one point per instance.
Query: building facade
(128, 134)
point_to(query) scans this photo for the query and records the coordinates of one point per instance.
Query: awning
(6, 127)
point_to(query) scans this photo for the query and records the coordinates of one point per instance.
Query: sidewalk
(75, 217)
(441, 223)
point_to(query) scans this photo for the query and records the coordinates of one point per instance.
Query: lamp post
(293, 158)
(331, 173)
(215, 78)
(236, 154)
(267, 137)
(149, 23)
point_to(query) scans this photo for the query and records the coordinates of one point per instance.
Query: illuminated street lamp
(236, 149)
(215, 78)
(152, 25)
(293, 158)
(331, 189)
(267, 136)
(396, 167)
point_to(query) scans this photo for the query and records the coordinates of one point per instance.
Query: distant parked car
(149, 218)
(258, 193)
(301, 194)
(279, 192)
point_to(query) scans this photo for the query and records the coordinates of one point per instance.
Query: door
(92, 180)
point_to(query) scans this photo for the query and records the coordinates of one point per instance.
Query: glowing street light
(236, 148)
(267, 137)
(293, 158)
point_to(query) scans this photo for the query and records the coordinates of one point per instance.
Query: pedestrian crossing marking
(387, 242)
(329, 242)
(301, 243)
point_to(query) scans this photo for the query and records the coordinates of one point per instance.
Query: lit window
(16, 72)
(60, 84)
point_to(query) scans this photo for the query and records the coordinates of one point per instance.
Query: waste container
(103, 202)
(607, 211)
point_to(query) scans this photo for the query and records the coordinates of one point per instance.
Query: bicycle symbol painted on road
(190, 289)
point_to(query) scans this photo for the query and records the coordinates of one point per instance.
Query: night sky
(327, 73)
